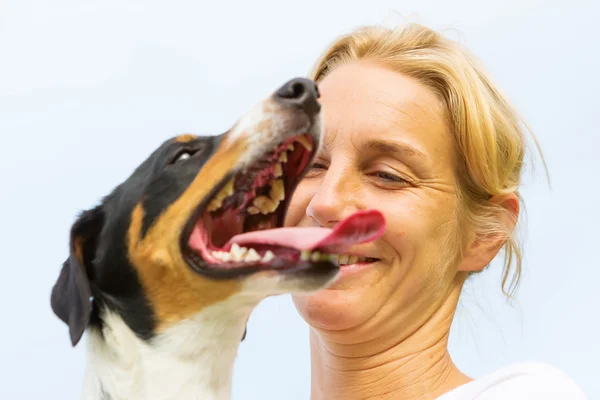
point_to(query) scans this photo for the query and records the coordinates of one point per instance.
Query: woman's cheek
(298, 204)
(404, 234)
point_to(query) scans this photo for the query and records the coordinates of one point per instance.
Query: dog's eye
(184, 155)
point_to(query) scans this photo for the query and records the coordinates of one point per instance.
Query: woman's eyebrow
(384, 146)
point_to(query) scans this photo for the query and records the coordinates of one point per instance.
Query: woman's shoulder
(525, 380)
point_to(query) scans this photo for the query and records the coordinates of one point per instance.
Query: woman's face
(386, 147)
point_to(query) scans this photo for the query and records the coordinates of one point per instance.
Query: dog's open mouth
(241, 225)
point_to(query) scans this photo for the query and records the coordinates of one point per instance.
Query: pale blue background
(89, 88)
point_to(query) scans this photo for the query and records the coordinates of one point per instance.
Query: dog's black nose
(302, 93)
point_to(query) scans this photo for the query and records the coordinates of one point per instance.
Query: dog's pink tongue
(360, 227)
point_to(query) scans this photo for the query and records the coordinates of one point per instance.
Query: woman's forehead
(371, 103)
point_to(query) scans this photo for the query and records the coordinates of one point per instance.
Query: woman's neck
(413, 365)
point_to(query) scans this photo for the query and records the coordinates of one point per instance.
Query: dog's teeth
(305, 255)
(274, 206)
(252, 255)
(224, 256)
(269, 206)
(237, 252)
(265, 204)
(352, 259)
(269, 255)
(261, 202)
(228, 189)
(343, 259)
(217, 201)
(225, 192)
(283, 157)
(316, 256)
(253, 210)
(263, 225)
(278, 171)
(305, 143)
(277, 192)
(214, 204)
(290, 147)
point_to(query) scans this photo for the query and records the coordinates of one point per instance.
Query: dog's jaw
(193, 359)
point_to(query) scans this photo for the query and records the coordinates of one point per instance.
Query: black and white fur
(125, 282)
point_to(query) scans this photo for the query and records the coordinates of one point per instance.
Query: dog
(164, 272)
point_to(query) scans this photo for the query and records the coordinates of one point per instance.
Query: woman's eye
(391, 178)
(316, 169)
(318, 166)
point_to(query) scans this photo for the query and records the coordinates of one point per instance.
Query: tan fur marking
(188, 137)
(78, 245)
(173, 289)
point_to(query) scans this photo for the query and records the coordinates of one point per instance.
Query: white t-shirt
(522, 381)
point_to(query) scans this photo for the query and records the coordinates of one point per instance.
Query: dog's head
(193, 225)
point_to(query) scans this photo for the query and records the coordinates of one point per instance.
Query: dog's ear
(71, 295)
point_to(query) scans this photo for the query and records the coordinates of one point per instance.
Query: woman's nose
(331, 202)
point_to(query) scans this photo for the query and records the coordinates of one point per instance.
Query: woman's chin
(357, 294)
(335, 308)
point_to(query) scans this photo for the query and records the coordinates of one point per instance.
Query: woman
(415, 129)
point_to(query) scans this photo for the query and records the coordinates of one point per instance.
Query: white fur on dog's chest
(192, 360)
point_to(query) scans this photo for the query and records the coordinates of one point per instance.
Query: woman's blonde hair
(487, 129)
